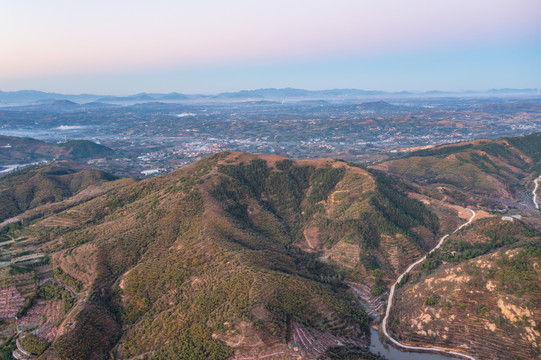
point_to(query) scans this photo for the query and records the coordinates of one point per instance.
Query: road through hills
(390, 301)
(534, 192)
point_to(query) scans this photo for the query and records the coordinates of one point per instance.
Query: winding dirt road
(534, 192)
(391, 295)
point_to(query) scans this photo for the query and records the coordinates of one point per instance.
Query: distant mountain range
(59, 106)
(33, 97)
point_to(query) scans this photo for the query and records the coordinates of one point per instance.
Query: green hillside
(34, 186)
(224, 256)
(85, 149)
(18, 150)
(481, 171)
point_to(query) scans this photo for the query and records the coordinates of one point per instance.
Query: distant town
(152, 137)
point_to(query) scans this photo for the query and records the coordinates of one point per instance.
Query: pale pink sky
(70, 38)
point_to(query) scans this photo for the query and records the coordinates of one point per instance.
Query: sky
(208, 46)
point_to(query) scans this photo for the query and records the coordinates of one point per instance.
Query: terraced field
(481, 306)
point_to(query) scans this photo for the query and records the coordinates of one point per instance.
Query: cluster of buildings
(11, 301)
(188, 150)
(200, 148)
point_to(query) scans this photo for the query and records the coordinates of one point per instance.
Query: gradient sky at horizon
(209, 46)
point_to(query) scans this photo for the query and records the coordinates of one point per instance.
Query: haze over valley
(153, 133)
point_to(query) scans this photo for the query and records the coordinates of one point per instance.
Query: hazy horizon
(413, 92)
(208, 47)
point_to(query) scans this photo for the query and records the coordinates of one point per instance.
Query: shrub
(33, 344)
(432, 300)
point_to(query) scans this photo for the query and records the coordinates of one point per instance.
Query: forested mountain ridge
(242, 255)
(491, 173)
(479, 293)
(39, 185)
(233, 254)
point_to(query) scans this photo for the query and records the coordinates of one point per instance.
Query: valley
(153, 135)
